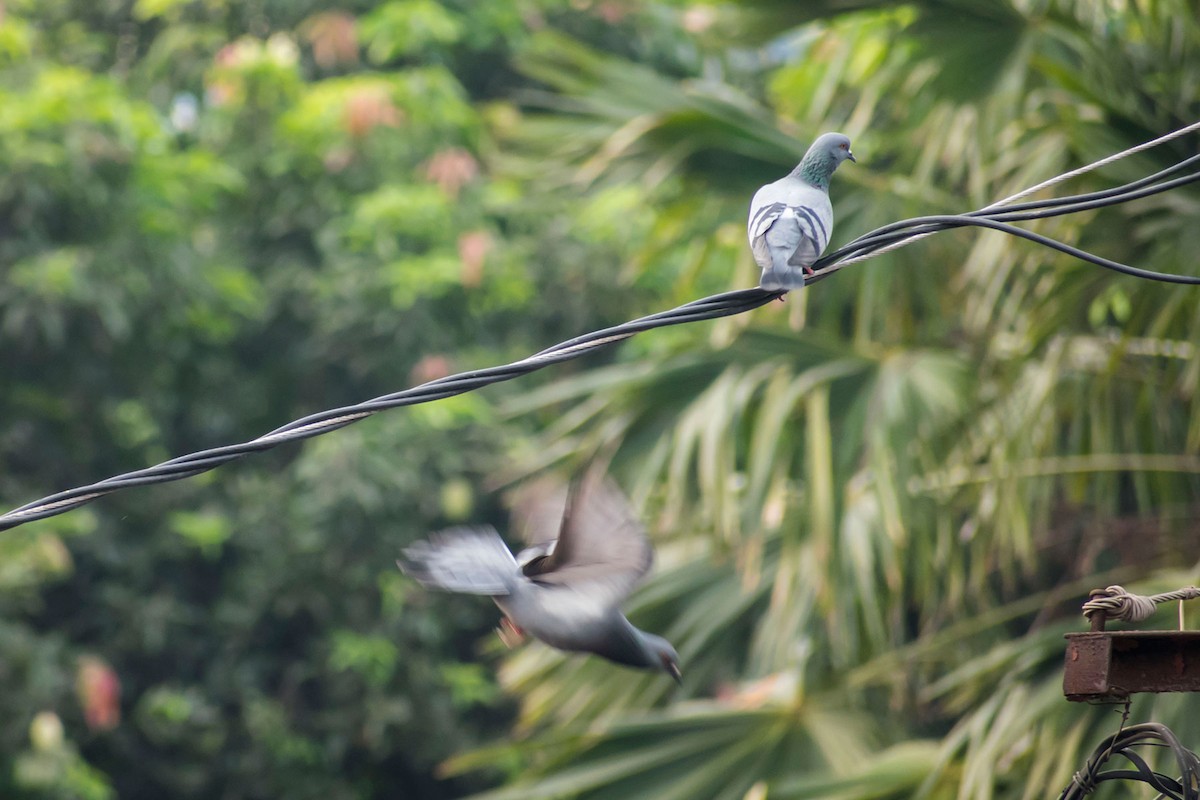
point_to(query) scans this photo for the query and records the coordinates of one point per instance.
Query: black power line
(1185, 787)
(722, 305)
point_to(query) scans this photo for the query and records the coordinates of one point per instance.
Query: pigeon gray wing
(534, 553)
(602, 548)
(467, 560)
(761, 222)
(537, 514)
(789, 226)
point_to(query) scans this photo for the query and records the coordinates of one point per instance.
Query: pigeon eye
(842, 146)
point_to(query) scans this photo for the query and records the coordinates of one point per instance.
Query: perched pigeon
(566, 589)
(791, 219)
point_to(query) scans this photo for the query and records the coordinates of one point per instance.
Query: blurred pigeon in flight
(791, 219)
(565, 589)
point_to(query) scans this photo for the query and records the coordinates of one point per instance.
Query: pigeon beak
(673, 670)
(850, 156)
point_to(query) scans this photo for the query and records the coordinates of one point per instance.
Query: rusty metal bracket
(1111, 665)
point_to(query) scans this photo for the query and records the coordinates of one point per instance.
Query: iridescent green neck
(816, 168)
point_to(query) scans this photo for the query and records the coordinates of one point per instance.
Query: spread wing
(537, 514)
(467, 560)
(602, 548)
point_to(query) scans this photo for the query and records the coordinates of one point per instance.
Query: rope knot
(1117, 603)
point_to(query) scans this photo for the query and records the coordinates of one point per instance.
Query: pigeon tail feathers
(466, 560)
(786, 278)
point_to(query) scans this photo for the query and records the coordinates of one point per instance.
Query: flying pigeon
(791, 219)
(565, 589)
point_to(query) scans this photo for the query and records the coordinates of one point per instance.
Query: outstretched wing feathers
(602, 547)
(468, 560)
(598, 552)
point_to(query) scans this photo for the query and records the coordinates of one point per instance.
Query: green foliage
(877, 505)
(207, 532)
(889, 493)
(211, 234)
(409, 28)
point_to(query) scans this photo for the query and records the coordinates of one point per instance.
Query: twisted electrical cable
(1185, 787)
(997, 216)
(845, 261)
(186, 466)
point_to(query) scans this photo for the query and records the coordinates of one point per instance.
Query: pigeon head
(823, 157)
(661, 655)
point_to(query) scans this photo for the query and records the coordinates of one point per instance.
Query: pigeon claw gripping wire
(510, 634)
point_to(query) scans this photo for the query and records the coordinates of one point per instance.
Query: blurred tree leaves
(409, 28)
(888, 495)
(217, 215)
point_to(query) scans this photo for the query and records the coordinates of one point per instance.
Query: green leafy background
(877, 507)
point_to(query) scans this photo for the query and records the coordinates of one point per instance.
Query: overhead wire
(1152, 734)
(842, 262)
(997, 216)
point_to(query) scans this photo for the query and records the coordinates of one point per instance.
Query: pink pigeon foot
(510, 634)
